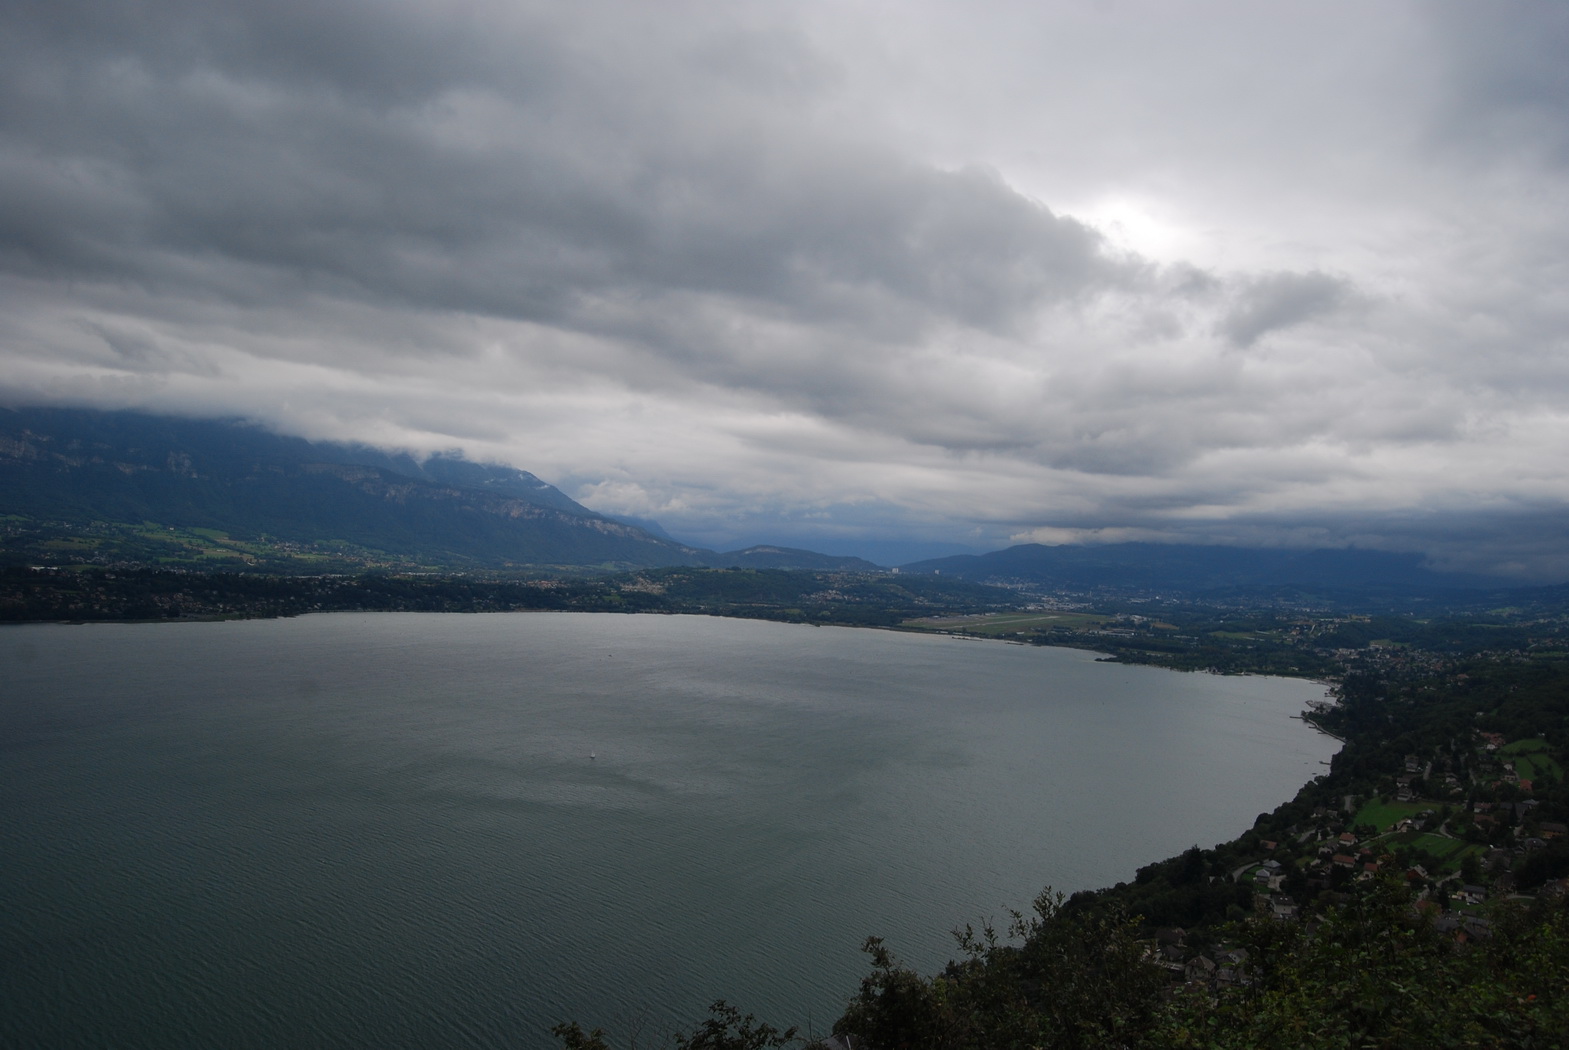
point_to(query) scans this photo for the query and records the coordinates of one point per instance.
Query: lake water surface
(456, 830)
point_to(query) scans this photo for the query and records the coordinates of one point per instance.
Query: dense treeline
(1198, 649)
(1375, 973)
(863, 599)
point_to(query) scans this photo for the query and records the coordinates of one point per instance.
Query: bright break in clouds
(831, 273)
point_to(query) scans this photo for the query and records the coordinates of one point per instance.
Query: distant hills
(78, 484)
(1205, 570)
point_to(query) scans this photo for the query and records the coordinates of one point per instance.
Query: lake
(455, 830)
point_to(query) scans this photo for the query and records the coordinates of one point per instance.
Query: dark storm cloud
(419, 156)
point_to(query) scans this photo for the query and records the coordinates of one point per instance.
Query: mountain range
(114, 487)
(250, 490)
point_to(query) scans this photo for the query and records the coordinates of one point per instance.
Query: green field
(1385, 815)
(1538, 767)
(998, 625)
(1531, 759)
(1447, 853)
(203, 549)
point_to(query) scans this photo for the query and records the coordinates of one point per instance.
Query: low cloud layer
(797, 273)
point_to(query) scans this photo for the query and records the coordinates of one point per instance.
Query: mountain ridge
(78, 466)
(85, 467)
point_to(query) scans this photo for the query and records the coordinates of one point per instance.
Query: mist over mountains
(72, 468)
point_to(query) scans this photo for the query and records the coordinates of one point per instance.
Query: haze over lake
(455, 830)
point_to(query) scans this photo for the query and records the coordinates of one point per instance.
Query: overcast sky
(829, 273)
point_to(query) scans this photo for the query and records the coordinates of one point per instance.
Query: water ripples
(417, 850)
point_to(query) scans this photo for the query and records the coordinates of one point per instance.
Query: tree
(725, 1029)
(1378, 974)
(573, 1037)
(1072, 980)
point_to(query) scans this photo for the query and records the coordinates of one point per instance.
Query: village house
(1200, 968)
